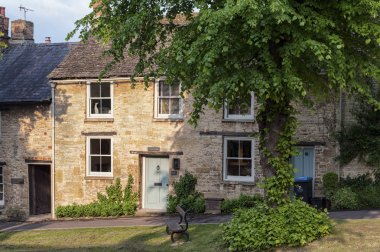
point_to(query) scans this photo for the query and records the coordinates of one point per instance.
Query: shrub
(345, 198)
(115, 202)
(369, 196)
(244, 201)
(263, 227)
(358, 182)
(186, 196)
(330, 183)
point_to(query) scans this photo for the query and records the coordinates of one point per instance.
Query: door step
(150, 213)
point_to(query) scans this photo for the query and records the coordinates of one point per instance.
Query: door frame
(143, 179)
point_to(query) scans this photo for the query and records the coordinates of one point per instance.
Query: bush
(345, 198)
(263, 227)
(330, 183)
(244, 201)
(115, 202)
(356, 183)
(186, 196)
(369, 196)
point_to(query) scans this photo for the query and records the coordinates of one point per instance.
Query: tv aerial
(23, 8)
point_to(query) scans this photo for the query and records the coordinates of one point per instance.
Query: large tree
(285, 51)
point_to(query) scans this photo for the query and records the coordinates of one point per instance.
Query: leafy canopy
(279, 49)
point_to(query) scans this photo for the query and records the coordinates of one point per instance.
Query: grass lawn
(353, 235)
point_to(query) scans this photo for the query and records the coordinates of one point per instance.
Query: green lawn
(351, 235)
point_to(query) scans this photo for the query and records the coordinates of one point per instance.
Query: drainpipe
(53, 85)
(340, 125)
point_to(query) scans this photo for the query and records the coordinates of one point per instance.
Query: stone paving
(152, 221)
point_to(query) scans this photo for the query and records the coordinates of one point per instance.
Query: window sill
(227, 182)
(238, 120)
(98, 178)
(99, 120)
(167, 119)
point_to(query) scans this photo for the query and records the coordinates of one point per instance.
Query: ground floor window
(1, 186)
(238, 159)
(99, 156)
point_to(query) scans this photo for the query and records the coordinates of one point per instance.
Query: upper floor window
(99, 156)
(1, 186)
(239, 110)
(239, 159)
(168, 102)
(100, 99)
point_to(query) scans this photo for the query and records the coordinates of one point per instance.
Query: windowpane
(164, 106)
(174, 105)
(1, 178)
(95, 90)
(233, 148)
(95, 146)
(175, 90)
(245, 149)
(106, 106)
(164, 89)
(106, 164)
(95, 106)
(1, 170)
(1, 188)
(1, 196)
(105, 146)
(105, 90)
(245, 167)
(233, 167)
(95, 164)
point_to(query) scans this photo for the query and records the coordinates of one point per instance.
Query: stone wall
(25, 135)
(136, 129)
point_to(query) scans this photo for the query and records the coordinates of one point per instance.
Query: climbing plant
(285, 51)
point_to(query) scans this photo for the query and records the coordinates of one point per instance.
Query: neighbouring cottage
(25, 119)
(63, 145)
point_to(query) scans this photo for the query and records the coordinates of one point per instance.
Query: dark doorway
(39, 189)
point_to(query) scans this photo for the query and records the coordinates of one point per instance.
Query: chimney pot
(47, 40)
(4, 24)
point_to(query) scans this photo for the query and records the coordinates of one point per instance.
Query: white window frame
(2, 202)
(156, 103)
(249, 116)
(89, 173)
(89, 114)
(225, 158)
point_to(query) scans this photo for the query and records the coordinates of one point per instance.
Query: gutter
(85, 81)
(52, 184)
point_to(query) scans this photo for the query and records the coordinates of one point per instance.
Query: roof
(86, 61)
(24, 71)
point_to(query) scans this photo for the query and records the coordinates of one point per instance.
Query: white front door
(156, 183)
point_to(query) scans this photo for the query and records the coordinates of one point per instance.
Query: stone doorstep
(150, 213)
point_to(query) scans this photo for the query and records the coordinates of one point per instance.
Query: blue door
(156, 183)
(304, 162)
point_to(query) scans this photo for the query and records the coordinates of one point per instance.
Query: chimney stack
(4, 25)
(22, 32)
(47, 40)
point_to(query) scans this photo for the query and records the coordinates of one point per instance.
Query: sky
(51, 18)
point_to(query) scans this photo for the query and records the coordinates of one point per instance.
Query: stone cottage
(70, 136)
(109, 129)
(25, 119)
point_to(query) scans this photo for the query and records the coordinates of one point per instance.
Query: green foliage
(284, 51)
(115, 202)
(330, 183)
(260, 228)
(345, 198)
(358, 182)
(244, 201)
(186, 196)
(361, 140)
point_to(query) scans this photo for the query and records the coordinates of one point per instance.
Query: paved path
(154, 221)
